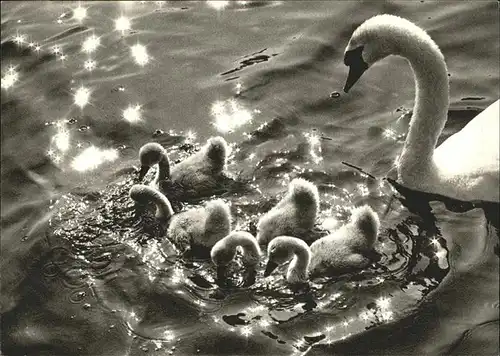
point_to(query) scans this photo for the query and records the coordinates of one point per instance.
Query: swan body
(198, 229)
(196, 174)
(295, 214)
(347, 249)
(224, 251)
(202, 170)
(466, 165)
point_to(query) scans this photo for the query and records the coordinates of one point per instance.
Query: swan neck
(163, 207)
(163, 168)
(431, 103)
(298, 269)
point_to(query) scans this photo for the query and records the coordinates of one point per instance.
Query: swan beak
(143, 171)
(271, 266)
(355, 72)
(357, 66)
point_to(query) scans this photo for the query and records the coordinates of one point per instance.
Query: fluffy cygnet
(283, 248)
(198, 229)
(196, 175)
(346, 249)
(224, 251)
(294, 215)
(350, 247)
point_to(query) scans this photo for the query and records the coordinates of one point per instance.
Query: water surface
(83, 275)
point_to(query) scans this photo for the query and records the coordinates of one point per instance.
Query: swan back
(216, 151)
(347, 248)
(367, 222)
(217, 222)
(295, 214)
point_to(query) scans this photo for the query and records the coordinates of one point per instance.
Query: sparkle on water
(218, 4)
(79, 13)
(92, 157)
(62, 139)
(132, 113)
(122, 24)
(10, 78)
(315, 146)
(230, 115)
(90, 64)
(91, 43)
(140, 54)
(82, 96)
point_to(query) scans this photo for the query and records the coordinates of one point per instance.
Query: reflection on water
(84, 273)
(230, 115)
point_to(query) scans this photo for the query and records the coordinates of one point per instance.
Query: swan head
(142, 194)
(280, 250)
(150, 154)
(224, 252)
(375, 39)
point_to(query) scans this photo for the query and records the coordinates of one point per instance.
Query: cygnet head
(293, 215)
(143, 194)
(216, 150)
(150, 154)
(282, 249)
(377, 38)
(224, 251)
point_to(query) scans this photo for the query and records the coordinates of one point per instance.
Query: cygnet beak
(357, 66)
(270, 267)
(142, 172)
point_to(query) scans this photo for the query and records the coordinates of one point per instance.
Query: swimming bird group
(286, 228)
(207, 230)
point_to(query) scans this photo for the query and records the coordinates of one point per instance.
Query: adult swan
(466, 165)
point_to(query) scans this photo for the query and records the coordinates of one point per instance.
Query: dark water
(75, 279)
